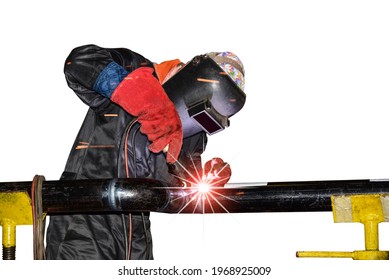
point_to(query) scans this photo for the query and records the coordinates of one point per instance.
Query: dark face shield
(205, 96)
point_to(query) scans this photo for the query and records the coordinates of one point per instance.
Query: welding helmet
(207, 91)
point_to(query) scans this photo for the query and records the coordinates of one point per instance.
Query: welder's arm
(142, 95)
(215, 172)
(82, 68)
(96, 78)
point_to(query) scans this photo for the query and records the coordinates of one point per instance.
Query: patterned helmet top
(231, 64)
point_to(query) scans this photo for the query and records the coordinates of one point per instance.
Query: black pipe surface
(139, 195)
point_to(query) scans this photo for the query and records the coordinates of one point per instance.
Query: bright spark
(203, 187)
(204, 194)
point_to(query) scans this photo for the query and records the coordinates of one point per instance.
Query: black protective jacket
(110, 145)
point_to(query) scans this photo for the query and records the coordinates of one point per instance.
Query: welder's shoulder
(89, 51)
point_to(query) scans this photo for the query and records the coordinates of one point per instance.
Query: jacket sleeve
(82, 67)
(94, 72)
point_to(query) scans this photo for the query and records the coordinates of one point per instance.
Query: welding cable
(123, 218)
(38, 218)
(127, 234)
(129, 238)
(134, 151)
(135, 176)
(127, 133)
(146, 236)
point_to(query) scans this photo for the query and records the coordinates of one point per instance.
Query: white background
(317, 109)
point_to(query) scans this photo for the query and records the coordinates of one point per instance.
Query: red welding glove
(142, 96)
(217, 172)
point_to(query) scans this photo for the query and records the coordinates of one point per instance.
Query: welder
(145, 120)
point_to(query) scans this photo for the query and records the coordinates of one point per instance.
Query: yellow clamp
(15, 209)
(368, 209)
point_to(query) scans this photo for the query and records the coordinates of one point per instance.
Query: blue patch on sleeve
(109, 79)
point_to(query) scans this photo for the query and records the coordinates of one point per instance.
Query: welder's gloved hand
(141, 95)
(216, 172)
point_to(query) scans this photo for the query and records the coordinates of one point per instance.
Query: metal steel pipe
(139, 195)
